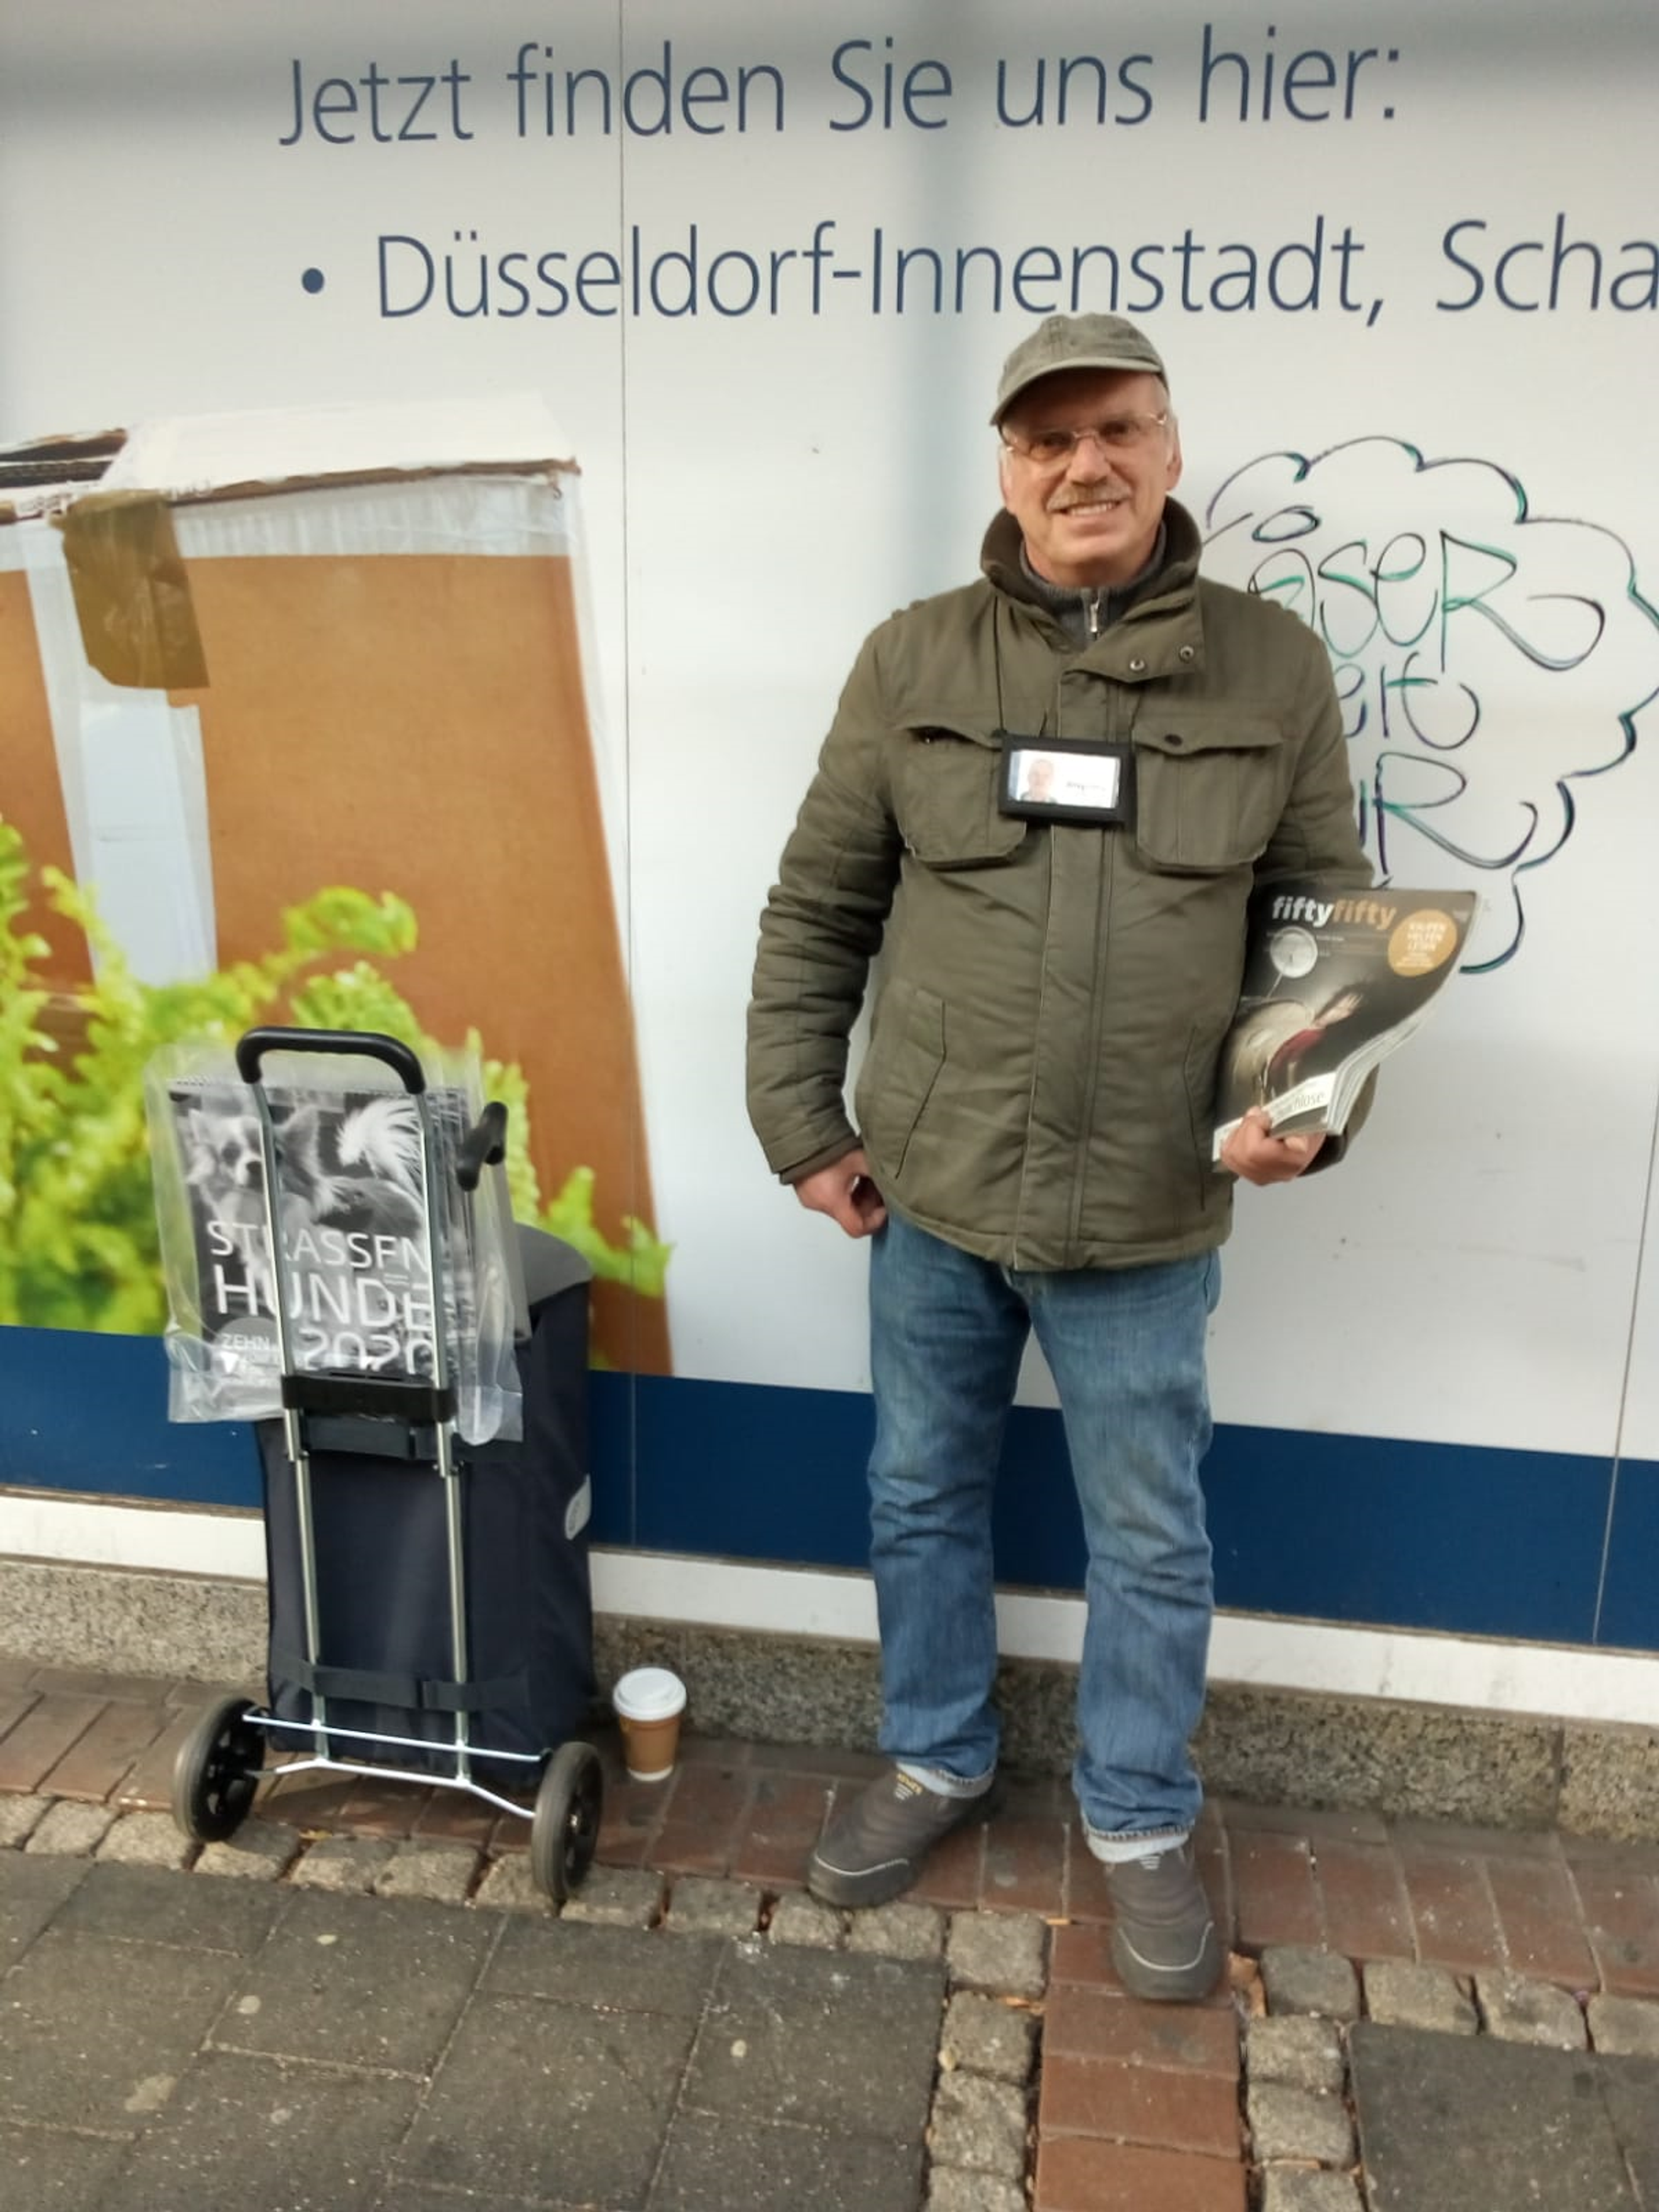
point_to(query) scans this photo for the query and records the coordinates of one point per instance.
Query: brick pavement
(1134, 2105)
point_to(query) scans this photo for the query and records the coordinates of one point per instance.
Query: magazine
(352, 1223)
(1334, 979)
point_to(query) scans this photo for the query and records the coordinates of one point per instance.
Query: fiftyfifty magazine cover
(1334, 979)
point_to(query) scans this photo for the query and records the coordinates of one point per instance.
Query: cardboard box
(246, 657)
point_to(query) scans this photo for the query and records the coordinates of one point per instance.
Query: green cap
(1076, 341)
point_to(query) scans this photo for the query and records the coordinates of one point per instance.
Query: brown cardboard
(31, 795)
(417, 724)
(411, 721)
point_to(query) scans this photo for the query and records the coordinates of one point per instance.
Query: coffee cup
(649, 1701)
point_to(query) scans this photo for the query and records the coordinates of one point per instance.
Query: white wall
(760, 488)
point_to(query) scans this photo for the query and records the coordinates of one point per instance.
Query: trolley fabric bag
(386, 1666)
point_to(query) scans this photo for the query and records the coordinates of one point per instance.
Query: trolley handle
(367, 1044)
(483, 1146)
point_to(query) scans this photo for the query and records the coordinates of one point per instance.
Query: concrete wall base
(1265, 1746)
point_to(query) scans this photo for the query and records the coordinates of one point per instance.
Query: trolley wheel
(564, 1828)
(218, 1771)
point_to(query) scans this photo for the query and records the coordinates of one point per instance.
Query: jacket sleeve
(821, 926)
(1317, 830)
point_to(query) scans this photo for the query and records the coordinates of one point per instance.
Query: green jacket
(1050, 998)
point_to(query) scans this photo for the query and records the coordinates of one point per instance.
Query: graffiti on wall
(1489, 662)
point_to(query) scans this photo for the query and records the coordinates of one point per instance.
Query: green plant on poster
(78, 1246)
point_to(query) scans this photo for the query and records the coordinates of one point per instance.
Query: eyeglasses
(1116, 434)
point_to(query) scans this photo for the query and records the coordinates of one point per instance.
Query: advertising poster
(520, 762)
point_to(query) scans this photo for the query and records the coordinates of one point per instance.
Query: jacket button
(1136, 667)
(1175, 738)
(1187, 653)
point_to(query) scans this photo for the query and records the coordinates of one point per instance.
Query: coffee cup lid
(649, 1693)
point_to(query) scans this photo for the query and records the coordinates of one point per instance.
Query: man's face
(1092, 517)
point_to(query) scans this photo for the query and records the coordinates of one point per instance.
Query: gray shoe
(1164, 1939)
(874, 1846)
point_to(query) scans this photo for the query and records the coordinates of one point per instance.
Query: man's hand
(844, 1191)
(1255, 1155)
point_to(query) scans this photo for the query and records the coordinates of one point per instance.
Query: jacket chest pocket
(945, 786)
(1210, 786)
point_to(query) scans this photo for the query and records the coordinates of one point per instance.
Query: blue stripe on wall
(1335, 1528)
(1630, 1607)
(89, 1414)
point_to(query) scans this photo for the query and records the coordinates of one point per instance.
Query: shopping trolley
(429, 1617)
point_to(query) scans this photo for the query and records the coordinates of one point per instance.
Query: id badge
(1066, 780)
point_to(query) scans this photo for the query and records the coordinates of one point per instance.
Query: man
(1039, 785)
(1034, 1113)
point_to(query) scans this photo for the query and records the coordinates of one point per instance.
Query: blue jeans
(1126, 1349)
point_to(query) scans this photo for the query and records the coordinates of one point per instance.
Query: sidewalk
(371, 2008)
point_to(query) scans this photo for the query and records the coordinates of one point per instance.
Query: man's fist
(844, 1191)
(1254, 1154)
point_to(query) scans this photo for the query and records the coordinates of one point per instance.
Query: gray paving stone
(19, 1817)
(48, 2172)
(982, 2035)
(1302, 2052)
(616, 1897)
(150, 1905)
(70, 1831)
(1626, 2026)
(509, 1886)
(701, 1906)
(822, 2040)
(404, 2195)
(1630, 2087)
(31, 1890)
(88, 2045)
(441, 1873)
(1518, 2010)
(800, 1919)
(346, 1865)
(1006, 1952)
(1286, 2122)
(550, 2100)
(369, 1981)
(897, 1931)
(614, 1969)
(978, 2125)
(1398, 1995)
(261, 1850)
(1466, 2124)
(711, 2165)
(951, 2189)
(241, 2131)
(1296, 2189)
(1300, 1979)
(150, 1839)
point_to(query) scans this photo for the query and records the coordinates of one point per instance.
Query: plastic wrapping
(352, 1210)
